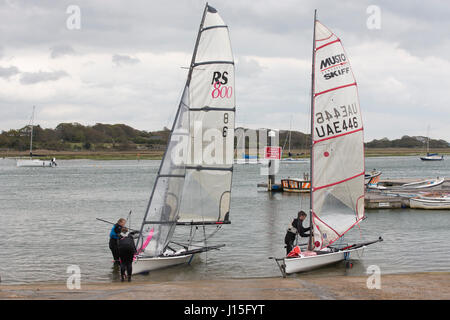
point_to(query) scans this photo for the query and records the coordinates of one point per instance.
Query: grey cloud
(41, 76)
(258, 30)
(248, 67)
(120, 60)
(8, 72)
(61, 50)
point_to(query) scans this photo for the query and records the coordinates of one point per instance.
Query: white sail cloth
(338, 146)
(206, 195)
(194, 181)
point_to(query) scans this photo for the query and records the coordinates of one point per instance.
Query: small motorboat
(431, 201)
(428, 183)
(295, 185)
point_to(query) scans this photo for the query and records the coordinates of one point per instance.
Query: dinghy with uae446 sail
(337, 159)
(193, 184)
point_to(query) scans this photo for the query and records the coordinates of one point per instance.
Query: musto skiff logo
(221, 90)
(334, 66)
(337, 120)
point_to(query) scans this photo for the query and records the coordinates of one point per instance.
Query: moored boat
(423, 184)
(369, 176)
(431, 201)
(33, 162)
(36, 163)
(295, 185)
(432, 157)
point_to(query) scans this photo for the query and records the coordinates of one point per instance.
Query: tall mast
(310, 244)
(31, 135)
(191, 67)
(290, 134)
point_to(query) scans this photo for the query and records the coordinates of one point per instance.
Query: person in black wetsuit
(295, 228)
(114, 237)
(127, 250)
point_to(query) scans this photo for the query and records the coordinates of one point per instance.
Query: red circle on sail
(326, 154)
(317, 244)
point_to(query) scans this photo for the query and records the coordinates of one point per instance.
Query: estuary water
(48, 219)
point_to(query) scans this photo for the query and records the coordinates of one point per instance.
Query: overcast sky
(125, 64)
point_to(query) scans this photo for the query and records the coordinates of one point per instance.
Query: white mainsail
(193, 184)
(337, 154)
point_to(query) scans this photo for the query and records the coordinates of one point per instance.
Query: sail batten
(337, 152)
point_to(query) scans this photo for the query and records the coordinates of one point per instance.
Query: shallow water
(49, 222)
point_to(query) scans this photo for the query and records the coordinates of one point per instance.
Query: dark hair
(302, 213)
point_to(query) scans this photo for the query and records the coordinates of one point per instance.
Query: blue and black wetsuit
(114, 237)
(290, 236)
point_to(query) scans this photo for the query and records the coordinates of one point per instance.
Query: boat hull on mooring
(147, 264)
(35, 163)
(430, 203)
(302, 264)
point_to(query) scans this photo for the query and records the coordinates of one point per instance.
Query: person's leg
(122, 270)
(114, 249)
(129, 269)
(289, 247)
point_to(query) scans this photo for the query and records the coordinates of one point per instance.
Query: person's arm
(303, 234)
(303, 230)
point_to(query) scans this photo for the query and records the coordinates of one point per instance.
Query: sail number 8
(225, 121)
(220, 91)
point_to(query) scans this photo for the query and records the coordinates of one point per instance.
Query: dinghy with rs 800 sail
(337, 158)
(193, 185)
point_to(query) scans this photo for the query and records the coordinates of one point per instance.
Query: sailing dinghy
(337, 158)
(193, 184)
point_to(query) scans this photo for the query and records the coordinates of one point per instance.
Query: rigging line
(206, 252)
(285, 140)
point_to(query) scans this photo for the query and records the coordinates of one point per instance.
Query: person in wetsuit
(295, 228)
(114, 237)
(127, 250)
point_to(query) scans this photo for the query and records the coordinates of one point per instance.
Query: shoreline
(415, 286)
(158, 154)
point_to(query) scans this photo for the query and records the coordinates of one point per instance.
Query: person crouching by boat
(127, 250)
(295, 228)
(114, 237)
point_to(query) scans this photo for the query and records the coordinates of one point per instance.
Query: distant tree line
(74, 136)
(120, 137)
(407, 142)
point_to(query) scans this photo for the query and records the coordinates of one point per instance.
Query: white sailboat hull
(432, 158)
(146, 264)
(35, 163)
(436, 203)
(302, 264)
